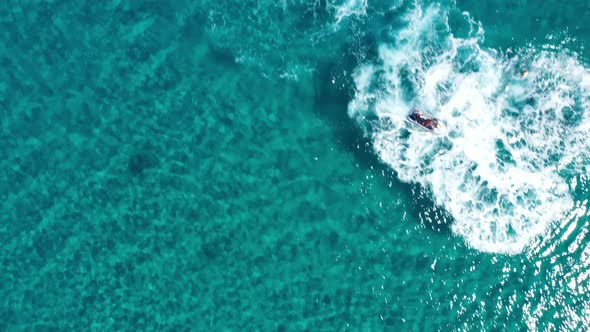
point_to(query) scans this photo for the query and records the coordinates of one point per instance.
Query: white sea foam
(347, 8)
(501, 172)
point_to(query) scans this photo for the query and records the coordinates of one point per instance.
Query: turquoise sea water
(246, 165)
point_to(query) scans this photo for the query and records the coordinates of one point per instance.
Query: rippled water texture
(223, 165)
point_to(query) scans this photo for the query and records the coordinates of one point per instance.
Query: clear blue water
(224, 165)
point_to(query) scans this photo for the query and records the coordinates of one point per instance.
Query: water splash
(513, 144)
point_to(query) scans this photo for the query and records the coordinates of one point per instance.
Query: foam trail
(347, 9)
(501, 172)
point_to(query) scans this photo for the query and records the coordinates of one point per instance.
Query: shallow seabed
(207, 166)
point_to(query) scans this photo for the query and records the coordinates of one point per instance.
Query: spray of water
(514, 138)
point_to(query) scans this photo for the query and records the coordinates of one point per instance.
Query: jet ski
(427, 122)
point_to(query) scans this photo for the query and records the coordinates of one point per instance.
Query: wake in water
(284, 38)
(514, 143)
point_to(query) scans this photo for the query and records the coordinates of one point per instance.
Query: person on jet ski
(428, 123)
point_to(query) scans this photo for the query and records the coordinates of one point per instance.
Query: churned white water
(514, 139)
